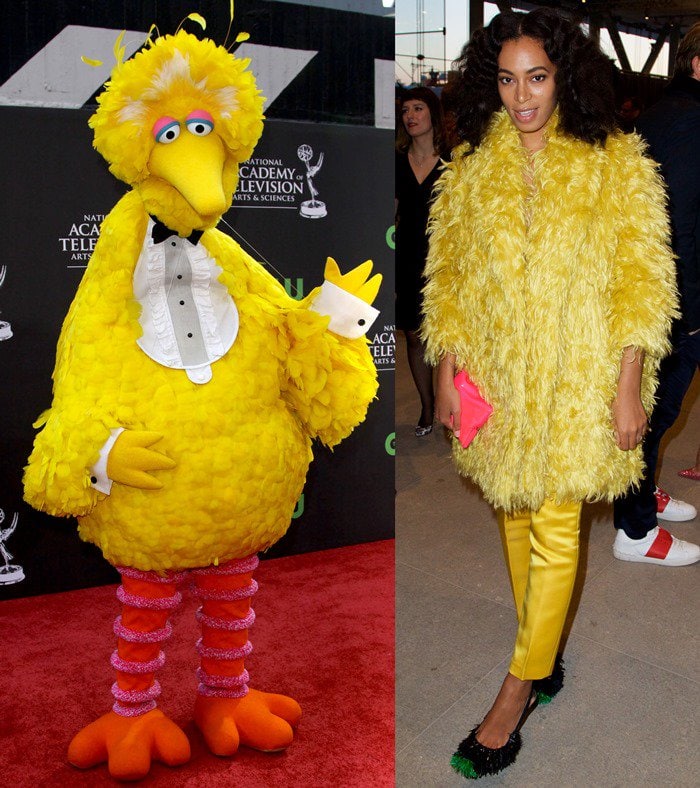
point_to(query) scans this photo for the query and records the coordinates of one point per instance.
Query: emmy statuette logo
(5, 327)
(9, 573)
(313, 208)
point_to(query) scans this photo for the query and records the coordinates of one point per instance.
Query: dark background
(52, 178)
(337, 86)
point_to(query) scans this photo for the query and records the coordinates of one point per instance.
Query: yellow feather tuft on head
(175, 75)
(119, 50)
(199, 19)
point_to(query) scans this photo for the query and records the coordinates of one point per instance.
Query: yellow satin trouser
(541, 551)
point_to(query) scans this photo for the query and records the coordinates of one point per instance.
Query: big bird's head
(174, 122)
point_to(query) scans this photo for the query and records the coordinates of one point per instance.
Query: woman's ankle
(426, 416)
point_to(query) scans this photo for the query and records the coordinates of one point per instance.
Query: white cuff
(350, 316)
(99, 479)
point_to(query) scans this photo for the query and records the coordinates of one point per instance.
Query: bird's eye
(166, 130)
(199, 123)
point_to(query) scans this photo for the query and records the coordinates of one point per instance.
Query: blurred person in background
(672, 130)
(419, 145)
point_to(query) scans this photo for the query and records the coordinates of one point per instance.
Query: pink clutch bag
(475, 410)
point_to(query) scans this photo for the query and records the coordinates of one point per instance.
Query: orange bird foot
(260, 720)
(129, 744)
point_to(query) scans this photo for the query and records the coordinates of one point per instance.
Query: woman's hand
(447, 404)
(630, 420)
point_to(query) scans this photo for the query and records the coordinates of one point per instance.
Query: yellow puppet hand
(354, 282)
(131, 459)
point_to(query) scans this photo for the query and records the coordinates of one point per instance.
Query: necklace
(420, 160)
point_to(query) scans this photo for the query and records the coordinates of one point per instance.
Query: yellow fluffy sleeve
(445, 270)
(327, 380)
(86, 374)
(644, 297)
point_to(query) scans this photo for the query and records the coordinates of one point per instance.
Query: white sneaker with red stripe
(672, 509)
(657, 547)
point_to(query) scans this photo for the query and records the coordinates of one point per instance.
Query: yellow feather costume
(183, 340)
(242, 442)
(537, 290)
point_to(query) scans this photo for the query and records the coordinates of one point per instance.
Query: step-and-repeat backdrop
(56, 192)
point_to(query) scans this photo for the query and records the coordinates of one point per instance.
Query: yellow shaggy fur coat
(537, 290)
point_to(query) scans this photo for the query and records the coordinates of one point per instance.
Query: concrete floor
(627, 714)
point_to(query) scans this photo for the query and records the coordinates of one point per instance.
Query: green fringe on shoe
(463, 766)
(549, 686)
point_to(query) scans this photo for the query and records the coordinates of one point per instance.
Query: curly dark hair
(437, 118)
(584, 76)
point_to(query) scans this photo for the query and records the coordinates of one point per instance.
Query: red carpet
(324, 635)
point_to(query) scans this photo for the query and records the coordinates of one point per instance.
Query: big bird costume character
(187, 390)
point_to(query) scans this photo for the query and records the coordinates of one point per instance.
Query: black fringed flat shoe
(548, 687)
(473, 760)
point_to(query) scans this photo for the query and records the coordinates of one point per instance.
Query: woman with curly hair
(550, 282)
(419, 145)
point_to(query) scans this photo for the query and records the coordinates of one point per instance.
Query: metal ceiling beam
(476, 15)
(617, 43)
(673, 42)
(658, 44)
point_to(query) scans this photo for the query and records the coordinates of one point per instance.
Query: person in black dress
(418, 149)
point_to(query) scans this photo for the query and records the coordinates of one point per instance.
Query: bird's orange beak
(194, 166)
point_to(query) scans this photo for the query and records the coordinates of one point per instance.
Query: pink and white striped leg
(227, 712)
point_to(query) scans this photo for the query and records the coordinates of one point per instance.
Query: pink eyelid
(200, 114)
(161, 123)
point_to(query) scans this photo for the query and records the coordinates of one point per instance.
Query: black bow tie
(161, 233)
